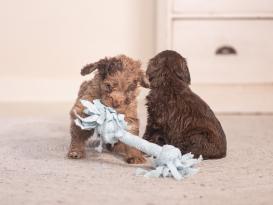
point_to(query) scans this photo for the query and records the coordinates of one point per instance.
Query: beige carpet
(34, 170)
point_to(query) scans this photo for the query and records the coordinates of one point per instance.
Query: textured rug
(34, 169)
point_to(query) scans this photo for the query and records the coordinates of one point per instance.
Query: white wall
(44, 43)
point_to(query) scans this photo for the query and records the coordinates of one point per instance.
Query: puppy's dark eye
(108, 88)
(127, 101)
(132, 87)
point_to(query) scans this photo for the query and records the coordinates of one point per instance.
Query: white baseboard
(249, 98)
(235, 98)
(38, 90)
(222, 98)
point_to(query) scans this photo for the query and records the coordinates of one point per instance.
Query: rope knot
(168, 154)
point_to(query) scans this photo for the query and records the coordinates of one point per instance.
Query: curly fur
(116, 85)
(176, 115)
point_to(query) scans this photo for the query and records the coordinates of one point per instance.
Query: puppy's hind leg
(134, 156)
(200, 144)
(131, 155)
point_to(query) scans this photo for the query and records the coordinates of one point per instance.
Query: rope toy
(111, 127)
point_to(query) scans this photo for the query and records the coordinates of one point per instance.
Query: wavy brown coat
(178, 116)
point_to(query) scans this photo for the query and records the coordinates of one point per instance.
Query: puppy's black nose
(116, 104)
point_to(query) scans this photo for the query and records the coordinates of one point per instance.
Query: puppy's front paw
(138, 159)
(75, 154)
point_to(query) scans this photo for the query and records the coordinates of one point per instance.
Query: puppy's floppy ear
(89, 68)
(144, 82)
(182, 71)
(153, 68)
(106, 66)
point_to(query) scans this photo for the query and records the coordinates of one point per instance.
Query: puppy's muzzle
(117, 100)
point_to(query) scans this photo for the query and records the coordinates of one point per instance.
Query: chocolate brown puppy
(176, 115)
(115, 83)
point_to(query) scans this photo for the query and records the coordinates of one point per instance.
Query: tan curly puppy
(116, 85)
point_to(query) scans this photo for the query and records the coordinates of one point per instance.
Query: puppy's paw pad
(136, 160)
(75, 155)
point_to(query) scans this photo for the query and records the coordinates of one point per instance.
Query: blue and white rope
(111, 127)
